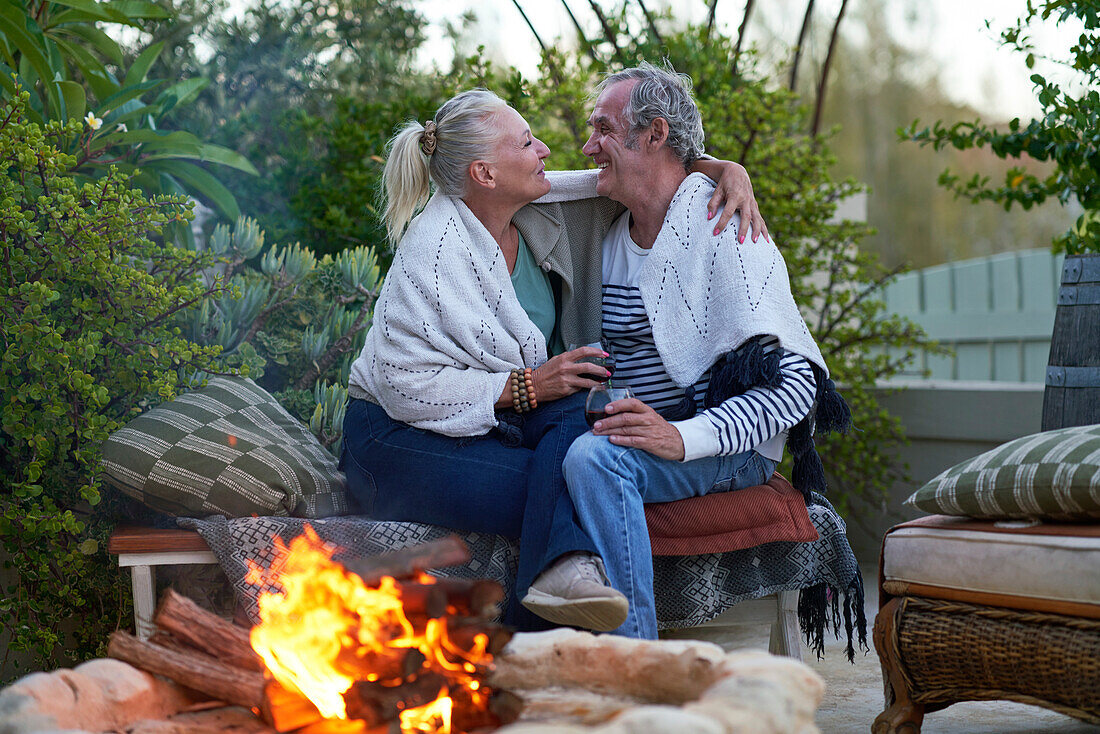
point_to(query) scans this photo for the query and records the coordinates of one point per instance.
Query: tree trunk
(819, 105)
(801, 43)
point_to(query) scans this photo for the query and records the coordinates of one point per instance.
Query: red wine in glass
(595, 407)
(606, 363)
(590, 417)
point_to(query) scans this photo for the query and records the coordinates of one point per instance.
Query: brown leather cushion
(729, 521)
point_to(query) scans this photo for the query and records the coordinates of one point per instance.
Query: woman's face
(518, 170)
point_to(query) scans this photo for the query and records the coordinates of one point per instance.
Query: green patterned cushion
(1053, 476)
(225, 449)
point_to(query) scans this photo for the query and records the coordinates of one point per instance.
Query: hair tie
(427, 138)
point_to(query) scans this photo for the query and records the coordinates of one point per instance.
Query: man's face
(622, 167)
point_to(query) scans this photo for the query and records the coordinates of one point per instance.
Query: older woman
(464, 403)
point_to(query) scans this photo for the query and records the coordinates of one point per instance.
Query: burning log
(376, 704)
(408, 642)
(462, 633)
(504, 707)
(287, 710)
(396, 664)
(429, 600)
(202, 672)
(471, 597)
(206, 631)
(407, 562)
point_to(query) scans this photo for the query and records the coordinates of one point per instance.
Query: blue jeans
(609, 485)
(397, 472)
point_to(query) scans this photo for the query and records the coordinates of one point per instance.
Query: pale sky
(973, 69)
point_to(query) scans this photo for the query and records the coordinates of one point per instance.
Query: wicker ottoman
(972, 610)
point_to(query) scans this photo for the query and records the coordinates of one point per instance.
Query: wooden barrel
(1072, 395)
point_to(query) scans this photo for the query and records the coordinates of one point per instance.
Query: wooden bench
(142, 549)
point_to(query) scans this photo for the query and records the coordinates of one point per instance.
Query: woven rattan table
(936, 652)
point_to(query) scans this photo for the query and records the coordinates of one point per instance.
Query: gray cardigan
(566, 239)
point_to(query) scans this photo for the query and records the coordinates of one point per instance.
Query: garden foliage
(59, 52)
(87, 316)
(294, 322)
(1066, 134)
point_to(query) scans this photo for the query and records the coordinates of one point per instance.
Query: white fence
(996, 312)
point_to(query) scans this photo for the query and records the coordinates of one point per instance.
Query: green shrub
(1065, 134)
(296, 321)
(87, 314)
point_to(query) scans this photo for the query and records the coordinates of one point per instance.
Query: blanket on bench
(690, 590)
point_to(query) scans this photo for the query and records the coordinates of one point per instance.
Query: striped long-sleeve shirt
(758, 419)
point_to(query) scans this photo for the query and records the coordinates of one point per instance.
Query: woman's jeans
(397, 472)
(609, 485)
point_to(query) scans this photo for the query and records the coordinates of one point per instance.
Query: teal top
(535, 294)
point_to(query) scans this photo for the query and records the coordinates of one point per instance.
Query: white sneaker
(575, 592)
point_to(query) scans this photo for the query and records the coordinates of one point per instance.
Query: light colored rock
(661, 719)
(594, 680)
(670, 671)
(100, 695)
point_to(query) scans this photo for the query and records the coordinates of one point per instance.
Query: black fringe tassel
(510, 428)
(819, 607)
(684, 409)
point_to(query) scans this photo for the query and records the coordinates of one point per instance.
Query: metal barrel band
(1081, 270)
(1073, 376)
(1079, 295)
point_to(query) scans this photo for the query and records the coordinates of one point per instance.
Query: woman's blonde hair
(463, 134)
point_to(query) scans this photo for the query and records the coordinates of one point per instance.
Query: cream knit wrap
(447, 327)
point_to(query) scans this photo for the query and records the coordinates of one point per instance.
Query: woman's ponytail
(438, 151)
(405, 180)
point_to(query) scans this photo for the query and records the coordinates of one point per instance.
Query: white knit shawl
(707, 295)
(447, 327)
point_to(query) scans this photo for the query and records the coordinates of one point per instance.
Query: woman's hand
(734, 189)
(565, 374)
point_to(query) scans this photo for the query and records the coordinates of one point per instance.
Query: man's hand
(734, 190)
(631, 422)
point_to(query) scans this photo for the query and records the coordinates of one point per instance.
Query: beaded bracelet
(523, 391)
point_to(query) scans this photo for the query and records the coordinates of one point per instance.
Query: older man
(704, 331)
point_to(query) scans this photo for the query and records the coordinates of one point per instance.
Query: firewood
(449, 551)
(287, 710)
(427, 599)
(506, 705)
(503, 708)
(376, 704)
(471, 597)
(196, 670)
(206, 631)
(394, 664)
(462, 633)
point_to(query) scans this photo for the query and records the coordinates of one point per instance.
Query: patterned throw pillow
(225, 449)
(1053, 476)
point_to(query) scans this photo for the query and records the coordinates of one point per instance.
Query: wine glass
(608, 362)
(595, 406)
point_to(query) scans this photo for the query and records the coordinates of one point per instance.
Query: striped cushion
(1053, 475)
(225, 449)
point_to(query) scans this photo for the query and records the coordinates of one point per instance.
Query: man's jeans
(397, 472)
(609, 485)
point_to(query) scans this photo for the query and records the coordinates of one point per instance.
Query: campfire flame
(328, 632)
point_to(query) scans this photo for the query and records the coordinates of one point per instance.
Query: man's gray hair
(661, 92)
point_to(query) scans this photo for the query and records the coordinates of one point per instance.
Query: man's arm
(737, 425)
(747, 420)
